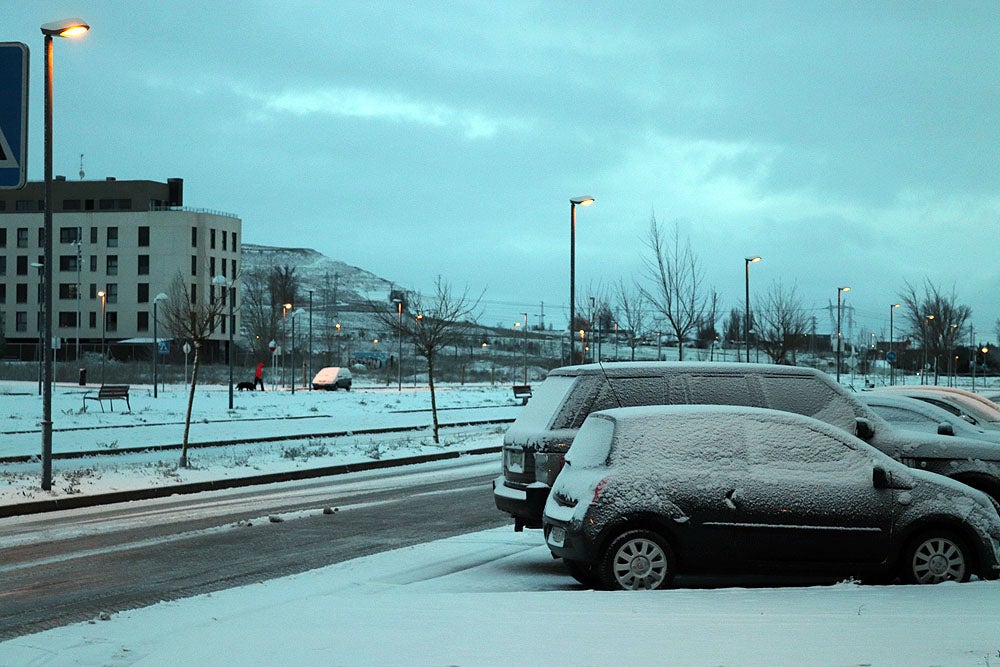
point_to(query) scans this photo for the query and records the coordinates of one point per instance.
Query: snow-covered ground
(495, 597)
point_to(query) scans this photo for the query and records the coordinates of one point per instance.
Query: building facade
(127, 240)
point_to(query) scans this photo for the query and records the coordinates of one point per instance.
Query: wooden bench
(522, 392)
(109, 392)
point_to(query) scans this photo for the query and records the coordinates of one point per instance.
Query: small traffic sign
(890, 355)
(13, 115)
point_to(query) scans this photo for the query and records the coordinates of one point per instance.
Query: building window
(194, 265)
(111, 323)
(142, 321)
(223, 262)
(93, 291)
(93, 320)
(68, 263)
(194, 237)
(21, 321)
(225, 236)
(22, 237)
(71, 204)
(211, 239)
(3, 293)
(93, 263)
(88, 205)
(24, 206)
(194, 294)
(234, 241)
(3, 266)
(211, 267)
(93, 235)
(21, 293)
(67, 290)
(106, 204)
(143, 265)
(143, 237)
(112, 237)
(112, 292)
(3, 237)
(232, 263)
(69, 234)
(112, 265)
(142, 293)
(22, 265)
(67, 320)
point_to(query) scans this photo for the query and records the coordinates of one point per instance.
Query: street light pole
(309, 362)
(892, 363)
(104, 320)
(840, 290)
(573, 203)
(399, 343)
(746, 327)
(156, 347)
(284, 328)
(65, 28)
(525, 348)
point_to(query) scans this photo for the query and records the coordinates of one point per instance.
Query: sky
(853, 144)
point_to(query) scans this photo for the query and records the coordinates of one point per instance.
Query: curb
(76, 502)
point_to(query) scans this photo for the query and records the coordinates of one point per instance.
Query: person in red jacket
(258, 378)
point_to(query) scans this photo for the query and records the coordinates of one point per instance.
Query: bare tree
(707, 334)
(935, 318)
(432, 323)
(734, 334)
(676, 276)
(191, 318)
(780, 323)
(257, 310)
(632, 307)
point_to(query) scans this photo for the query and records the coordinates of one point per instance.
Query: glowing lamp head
(65, 28)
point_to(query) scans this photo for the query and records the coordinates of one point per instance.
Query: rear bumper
(524, 503)
(564, 541)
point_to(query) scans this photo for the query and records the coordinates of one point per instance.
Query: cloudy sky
(848, 143)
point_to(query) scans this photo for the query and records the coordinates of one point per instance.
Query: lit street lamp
(399, 341)
(840, 290)
(746, 330)
(64, 28)
(104, 321)
(230, 295)
(156, 347)
(291, 350)
(892, 353)
(284, 327)
(525, 347)
(923, 371)
(573, 203)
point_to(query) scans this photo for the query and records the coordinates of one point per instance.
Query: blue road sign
(13, 114)
(890, 355)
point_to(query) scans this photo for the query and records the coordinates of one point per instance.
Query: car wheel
(637, 560)
(936, 556)
(584, 573)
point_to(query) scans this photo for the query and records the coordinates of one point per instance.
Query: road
(71, 566)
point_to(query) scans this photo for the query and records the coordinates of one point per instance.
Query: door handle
(731, 499)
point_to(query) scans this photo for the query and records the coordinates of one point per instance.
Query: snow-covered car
(332, 378)
(537, 441)
(915, 415)
(971, 407)
(649, 492)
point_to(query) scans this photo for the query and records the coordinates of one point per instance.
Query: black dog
(244, 386)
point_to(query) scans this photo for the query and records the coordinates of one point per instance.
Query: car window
(720, 390)
(693, 443)
(792, 446)
(903, 418)
(592, 444)
(811, 397)
(552, 393)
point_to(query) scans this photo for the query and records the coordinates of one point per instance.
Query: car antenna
(610, 384)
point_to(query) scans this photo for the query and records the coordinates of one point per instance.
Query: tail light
(598, 489)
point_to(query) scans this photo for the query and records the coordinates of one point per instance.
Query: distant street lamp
(399, 342)
(291, 350)
(156, 347)
(104, 321)
(284, 327)
(573, 203)
(746, 330)
(923, 371)
(229, 296)
(892, 362)
(310, 360)
(64, 28)
(525, 348)
(840, 290)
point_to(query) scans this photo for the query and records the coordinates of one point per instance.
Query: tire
(637, 560)
(935, 556)
(584, 573)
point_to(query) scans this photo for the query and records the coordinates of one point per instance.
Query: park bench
(109, 392)
(522, 392)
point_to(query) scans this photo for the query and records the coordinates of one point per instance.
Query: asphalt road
(71, 566)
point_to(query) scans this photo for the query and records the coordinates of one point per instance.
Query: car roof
(616, 369)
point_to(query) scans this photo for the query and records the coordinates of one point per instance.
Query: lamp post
(525, 347)
(291, 351)
(892, 362)
(746, 325)
(923, 371)
(284, 327)
(309, 362)
(79, 264)
(64, 28)
(972, 350)
(230, 293)
(840, 290)
(156, 347)
(41, 343)
(399, 343)
(573, 203)
(104, 321)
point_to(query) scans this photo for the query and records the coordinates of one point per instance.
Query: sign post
(13, 115)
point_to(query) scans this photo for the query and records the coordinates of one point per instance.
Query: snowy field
(495, 597)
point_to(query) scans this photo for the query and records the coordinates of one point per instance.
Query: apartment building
(127, 239)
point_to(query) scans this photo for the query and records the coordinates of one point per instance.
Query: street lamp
(104, 321)
(892, 362)
(399, 341)
(525, 347)
(156, 347)
(923, 371)
(291, 350)
(64, 28)
(40, 323)
(573, 203)
(840, 290)
(746, 329)
(284, 327)
(310, 360)
(230, 294)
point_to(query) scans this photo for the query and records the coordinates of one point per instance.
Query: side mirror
(863, 428)
(944, 428)
(881, 479)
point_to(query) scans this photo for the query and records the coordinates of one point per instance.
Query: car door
(809, 497)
